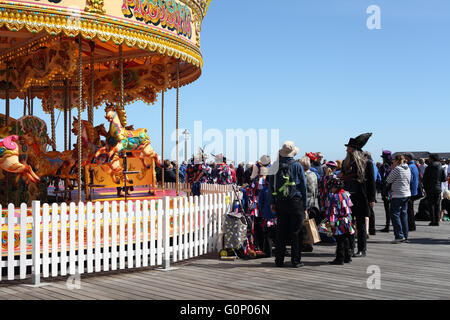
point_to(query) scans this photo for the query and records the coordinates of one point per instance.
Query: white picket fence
(205, 188)
(110, 236)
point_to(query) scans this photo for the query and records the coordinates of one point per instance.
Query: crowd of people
(339, 195)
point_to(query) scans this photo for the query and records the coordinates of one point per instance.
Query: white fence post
(36, 242)
(166, 263)
(23, 240)
(11, 228)
(63, 259)
(137, 238)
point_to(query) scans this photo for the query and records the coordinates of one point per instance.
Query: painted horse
(120, 140)
(9, 160)
(52, 164)
(92, 149)
(90, 140)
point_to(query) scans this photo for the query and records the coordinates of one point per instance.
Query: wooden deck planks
(417, 270)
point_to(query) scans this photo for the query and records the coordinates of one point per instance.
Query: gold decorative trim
(95, 26)
(199, 6)
(95, 6)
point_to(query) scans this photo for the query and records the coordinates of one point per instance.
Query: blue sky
(313, 70)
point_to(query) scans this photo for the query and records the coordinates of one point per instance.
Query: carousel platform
(110, 194)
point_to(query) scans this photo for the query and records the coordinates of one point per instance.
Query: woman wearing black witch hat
(358, 176)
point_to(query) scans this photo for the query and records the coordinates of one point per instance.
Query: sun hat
(331, 164)
(265, 160)
(289, 150)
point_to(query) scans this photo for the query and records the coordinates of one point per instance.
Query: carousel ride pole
(69, 104)
(52, 114)
(125, 159)
(31, 101)
(7, 96)
(7, 123)
(177, 128)
(25, 97)
(91, 105)
(162, 138)
(80, 88)
(65, 115)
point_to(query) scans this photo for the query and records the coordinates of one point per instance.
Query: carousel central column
(80, 103)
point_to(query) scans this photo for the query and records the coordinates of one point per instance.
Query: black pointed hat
(359, 142)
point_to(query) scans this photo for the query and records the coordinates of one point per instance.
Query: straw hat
(265, 160)
(289, 150)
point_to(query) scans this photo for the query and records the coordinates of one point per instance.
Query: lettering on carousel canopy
(167, 13)
(52, 1)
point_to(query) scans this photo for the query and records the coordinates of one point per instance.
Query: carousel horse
(52, 164)
(90, 140)
(135, 141)
(92, 149)
(9, 160)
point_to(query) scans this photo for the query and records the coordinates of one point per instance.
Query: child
(339, 215)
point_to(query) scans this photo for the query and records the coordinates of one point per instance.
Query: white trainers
(397, 241)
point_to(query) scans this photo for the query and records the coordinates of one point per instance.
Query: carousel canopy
(39, 46)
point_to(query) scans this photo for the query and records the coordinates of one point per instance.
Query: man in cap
(414, 185)
(385, 170)
(289, 199)
(317, 164)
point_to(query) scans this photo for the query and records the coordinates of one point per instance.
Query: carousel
(77, 55)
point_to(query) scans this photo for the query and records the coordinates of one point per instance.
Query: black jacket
(170, 175)
(433, 177)
(362, 193)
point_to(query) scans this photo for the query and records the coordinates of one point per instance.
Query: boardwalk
(417, 270)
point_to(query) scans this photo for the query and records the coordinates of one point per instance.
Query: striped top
(400, 179)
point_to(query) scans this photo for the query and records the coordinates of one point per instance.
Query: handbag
(311, 235)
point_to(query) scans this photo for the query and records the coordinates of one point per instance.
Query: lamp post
(186, 134)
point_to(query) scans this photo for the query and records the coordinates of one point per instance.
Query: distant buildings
(424, 154)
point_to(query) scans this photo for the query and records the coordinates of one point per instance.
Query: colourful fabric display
(339, 213)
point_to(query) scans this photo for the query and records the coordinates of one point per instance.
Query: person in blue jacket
(414, 188)
(288, 197)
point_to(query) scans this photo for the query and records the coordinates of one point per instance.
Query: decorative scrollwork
(95, 6)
